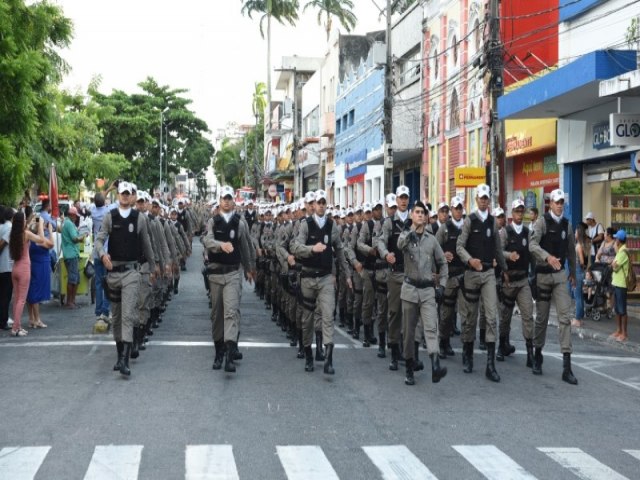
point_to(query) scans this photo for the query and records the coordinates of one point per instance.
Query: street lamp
(160, 147)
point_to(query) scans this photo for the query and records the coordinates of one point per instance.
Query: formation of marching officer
(393, 275)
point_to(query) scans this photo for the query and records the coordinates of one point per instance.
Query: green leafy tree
(228, 165)
(258, 105)
(340, 9)
(29, 38)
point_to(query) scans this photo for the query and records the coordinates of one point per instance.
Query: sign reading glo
(624, 129)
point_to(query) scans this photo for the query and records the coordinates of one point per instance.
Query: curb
(596, 336)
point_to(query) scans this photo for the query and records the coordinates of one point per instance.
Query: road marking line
(210, 462)
(114, 462)
(582, 464)
(159, 343)
(634, 453)
(348, 337)
(306, 463)
(492, 462)
(602, 374)
(397, 462)
(21, 463)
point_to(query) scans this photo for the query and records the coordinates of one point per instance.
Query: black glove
(439, 294)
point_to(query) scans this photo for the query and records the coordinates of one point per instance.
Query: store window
(625, 214)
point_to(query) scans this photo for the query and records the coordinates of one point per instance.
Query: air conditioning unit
(379, 54)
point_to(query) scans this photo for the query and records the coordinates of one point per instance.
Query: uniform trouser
(260, 275)
(318, 297)
(482, 317)
(358, 292)
(517, 293)
(225, 305)
(144, 299)
(448, 309)
(267, 283)
(419, 307)
(157, 291)
(349, 294)
(342, 292)
(479, 287)
(368, 296)
(553, 286)
(394, 286)
(274, 287)
(292, 306)
(382, 304)
(125, 313)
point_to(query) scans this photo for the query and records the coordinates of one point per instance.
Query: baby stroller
(596, 287)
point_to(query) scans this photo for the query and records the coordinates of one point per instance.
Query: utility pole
(388, 109)
(493, 52)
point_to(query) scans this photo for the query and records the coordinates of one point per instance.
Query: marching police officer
(552, 244)
(317, 242)
(478, 246)
(516, 238)
(388, 249)
(419, 293)
(228, 247)
(129, 250)
(447, 236)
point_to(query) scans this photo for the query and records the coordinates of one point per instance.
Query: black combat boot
(408, 379)
(437, 372)
(447, 348)
(417, 364)
(395, 356)
(158, 315)
(467, 357)
(120, 350)
(382, 353)
(442, 351)
(356, 329)
(217, 362)
(155, 317)
(483, 335)
(124, 367)
(372, 338)
(537, 362)
(135, 353)
(237, 354)
(140, 333)
(529, 347)
(319, 352)
(502, 346)
(176, 281)
(294, 337)
(148, 327)
(328, 362)
(342, 318)
(490, 372)
(349, 323)
(510, 348)
(366, 336)
(300, 345)
(274, 313)
(308, 355)
(229, 366)
(567, 374)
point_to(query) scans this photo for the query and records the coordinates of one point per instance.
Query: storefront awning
(569, 89)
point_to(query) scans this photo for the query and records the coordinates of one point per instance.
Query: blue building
(359, 170)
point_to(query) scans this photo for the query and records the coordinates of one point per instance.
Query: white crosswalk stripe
(114, 462)
(582, 464)
(493, 463)
(306, 463)
(210, 462)
(21, 463)
(634, 453)
(396, 462)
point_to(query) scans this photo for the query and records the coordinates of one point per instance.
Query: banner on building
(624, 129)
(525, 136)
(469, 176)
(535, 171)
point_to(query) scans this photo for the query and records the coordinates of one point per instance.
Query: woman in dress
(40, 284)
(21, 273)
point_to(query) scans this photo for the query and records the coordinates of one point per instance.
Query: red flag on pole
(53, 192)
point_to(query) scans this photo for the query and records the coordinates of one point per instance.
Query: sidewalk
(600, 331)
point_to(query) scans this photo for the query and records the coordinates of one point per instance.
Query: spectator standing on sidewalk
(6, 265)
(582, 263)
(71, 253)
(595, 233)
(40, 284)
(98, 212)
(621, 266)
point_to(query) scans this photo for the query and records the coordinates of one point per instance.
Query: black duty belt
(314, 273)
(516, 276)
(419, 283)
(221, 270)
(397, 268)
(125, 268)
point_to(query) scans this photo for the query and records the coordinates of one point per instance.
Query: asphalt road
(67, 415)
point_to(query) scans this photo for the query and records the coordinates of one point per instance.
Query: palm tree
(258, 105)
(283, 11)
(341, 9)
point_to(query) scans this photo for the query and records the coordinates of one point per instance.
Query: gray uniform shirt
(143, 233)
(422, 253)
(540, 254)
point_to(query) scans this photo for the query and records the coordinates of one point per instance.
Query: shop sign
(469, 176)
(624, 129)
(535, 172)
(635, 162)
(601, 136)
(525, 136)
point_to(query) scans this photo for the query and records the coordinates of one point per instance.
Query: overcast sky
(205, 46)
